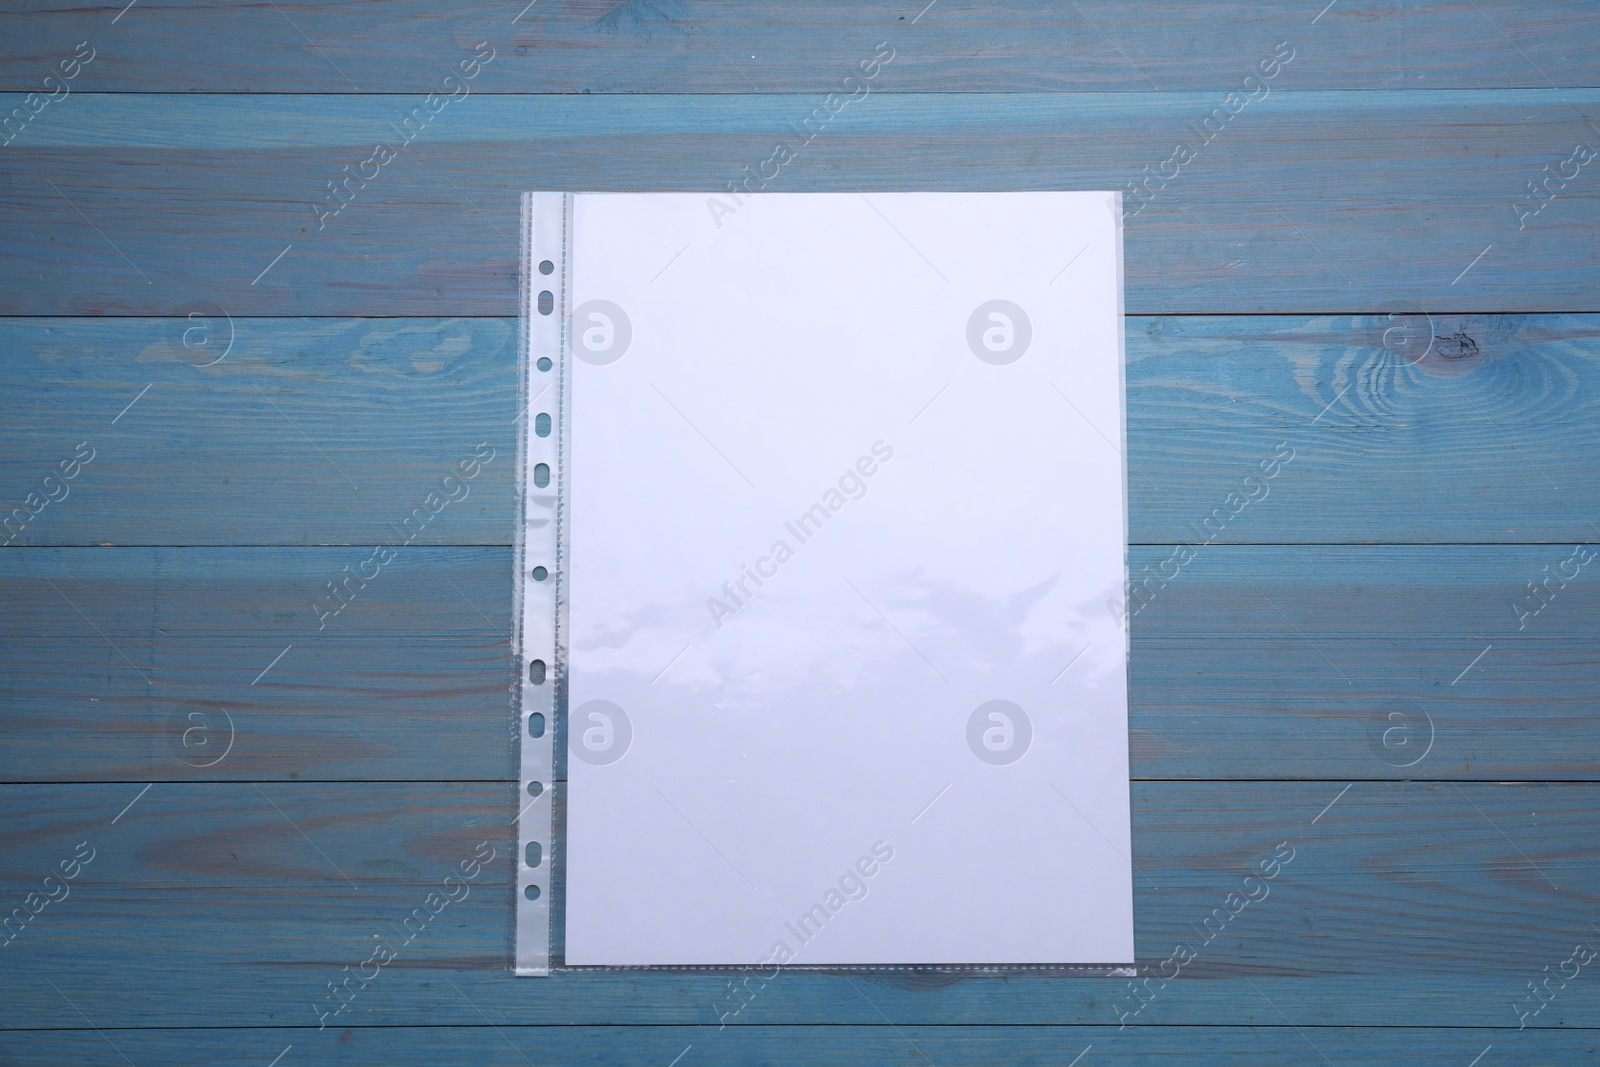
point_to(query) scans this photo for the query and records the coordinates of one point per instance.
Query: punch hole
(544, 363)
(545, 266)
(541, 424)
(536, 672)
(532, 892)
(536, 724)
(547, 302)
(540, 574)
(535, 788)
(541, 475)
(532, 855)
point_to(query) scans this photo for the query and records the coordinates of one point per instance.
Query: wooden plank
(605, 46)
(1266, 1045)
(1403, 904)
(398, 834)
(217, 663)
(1358, 662)
(306, 430)
(314, 431)
(1305, 202)
(1414, 912)
(1410, 427)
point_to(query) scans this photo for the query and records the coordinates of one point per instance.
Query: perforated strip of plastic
(539, 575)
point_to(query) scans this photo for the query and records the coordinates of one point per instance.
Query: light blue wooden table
(215, 395)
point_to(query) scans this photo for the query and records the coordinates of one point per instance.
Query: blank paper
(847, 682)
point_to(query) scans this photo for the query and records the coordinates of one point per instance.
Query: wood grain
(305, 431)
(498, 1044)
(1333, 202)
(1365, 610)
(1354, 662)
(314, 431)
(638, 46)
(241, 893)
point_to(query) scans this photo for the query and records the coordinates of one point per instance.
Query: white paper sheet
(846, 527)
